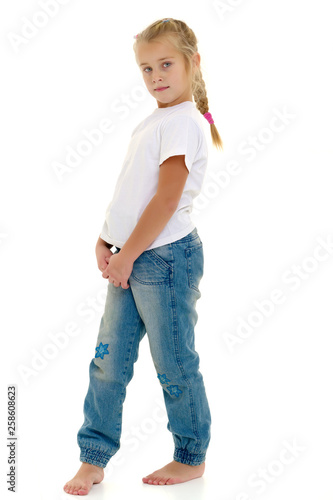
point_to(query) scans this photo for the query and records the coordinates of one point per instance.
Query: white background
(262, 226)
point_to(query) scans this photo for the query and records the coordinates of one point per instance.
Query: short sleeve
(180, 135)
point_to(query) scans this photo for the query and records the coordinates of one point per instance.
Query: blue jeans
(160, 301)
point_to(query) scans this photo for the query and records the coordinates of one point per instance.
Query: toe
(83, 491)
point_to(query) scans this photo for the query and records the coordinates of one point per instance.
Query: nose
(156, 79)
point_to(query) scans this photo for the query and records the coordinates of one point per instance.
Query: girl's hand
(103, 254)
(118, 270)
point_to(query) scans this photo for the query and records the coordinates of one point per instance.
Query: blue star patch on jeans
(101, 350)
(174, 390)
(163, 379)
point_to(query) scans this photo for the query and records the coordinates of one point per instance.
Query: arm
(103, 243)
(171, 181)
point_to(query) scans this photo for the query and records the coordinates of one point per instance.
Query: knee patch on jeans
(173, 390)
(101, 350)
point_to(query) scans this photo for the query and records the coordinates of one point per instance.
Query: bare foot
(87, 475)
(175, 472)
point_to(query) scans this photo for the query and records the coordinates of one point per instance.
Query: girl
(155, 270)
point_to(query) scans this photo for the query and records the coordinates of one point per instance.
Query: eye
(148, 68)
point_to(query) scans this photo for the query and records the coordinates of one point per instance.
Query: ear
(196, 58)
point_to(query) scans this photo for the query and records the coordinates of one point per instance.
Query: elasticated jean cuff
(94, 457)
(184, 457)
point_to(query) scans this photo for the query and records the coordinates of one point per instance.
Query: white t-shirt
(175, 130)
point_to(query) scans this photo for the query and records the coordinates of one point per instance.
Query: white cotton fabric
(175, 130)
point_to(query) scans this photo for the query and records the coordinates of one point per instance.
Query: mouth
(160, 89)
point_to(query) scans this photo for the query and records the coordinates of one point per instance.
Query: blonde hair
(185, 42)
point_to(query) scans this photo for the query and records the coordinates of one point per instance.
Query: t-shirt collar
(180, 105)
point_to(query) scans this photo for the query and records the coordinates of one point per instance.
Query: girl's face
(163, 68)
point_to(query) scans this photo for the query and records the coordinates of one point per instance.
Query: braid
(201, 99)
(199, 92)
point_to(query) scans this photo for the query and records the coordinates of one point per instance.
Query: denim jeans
(160, 301)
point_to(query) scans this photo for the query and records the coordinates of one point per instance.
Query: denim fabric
(161, 301)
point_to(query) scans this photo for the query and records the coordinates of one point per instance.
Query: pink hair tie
(209, 118)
